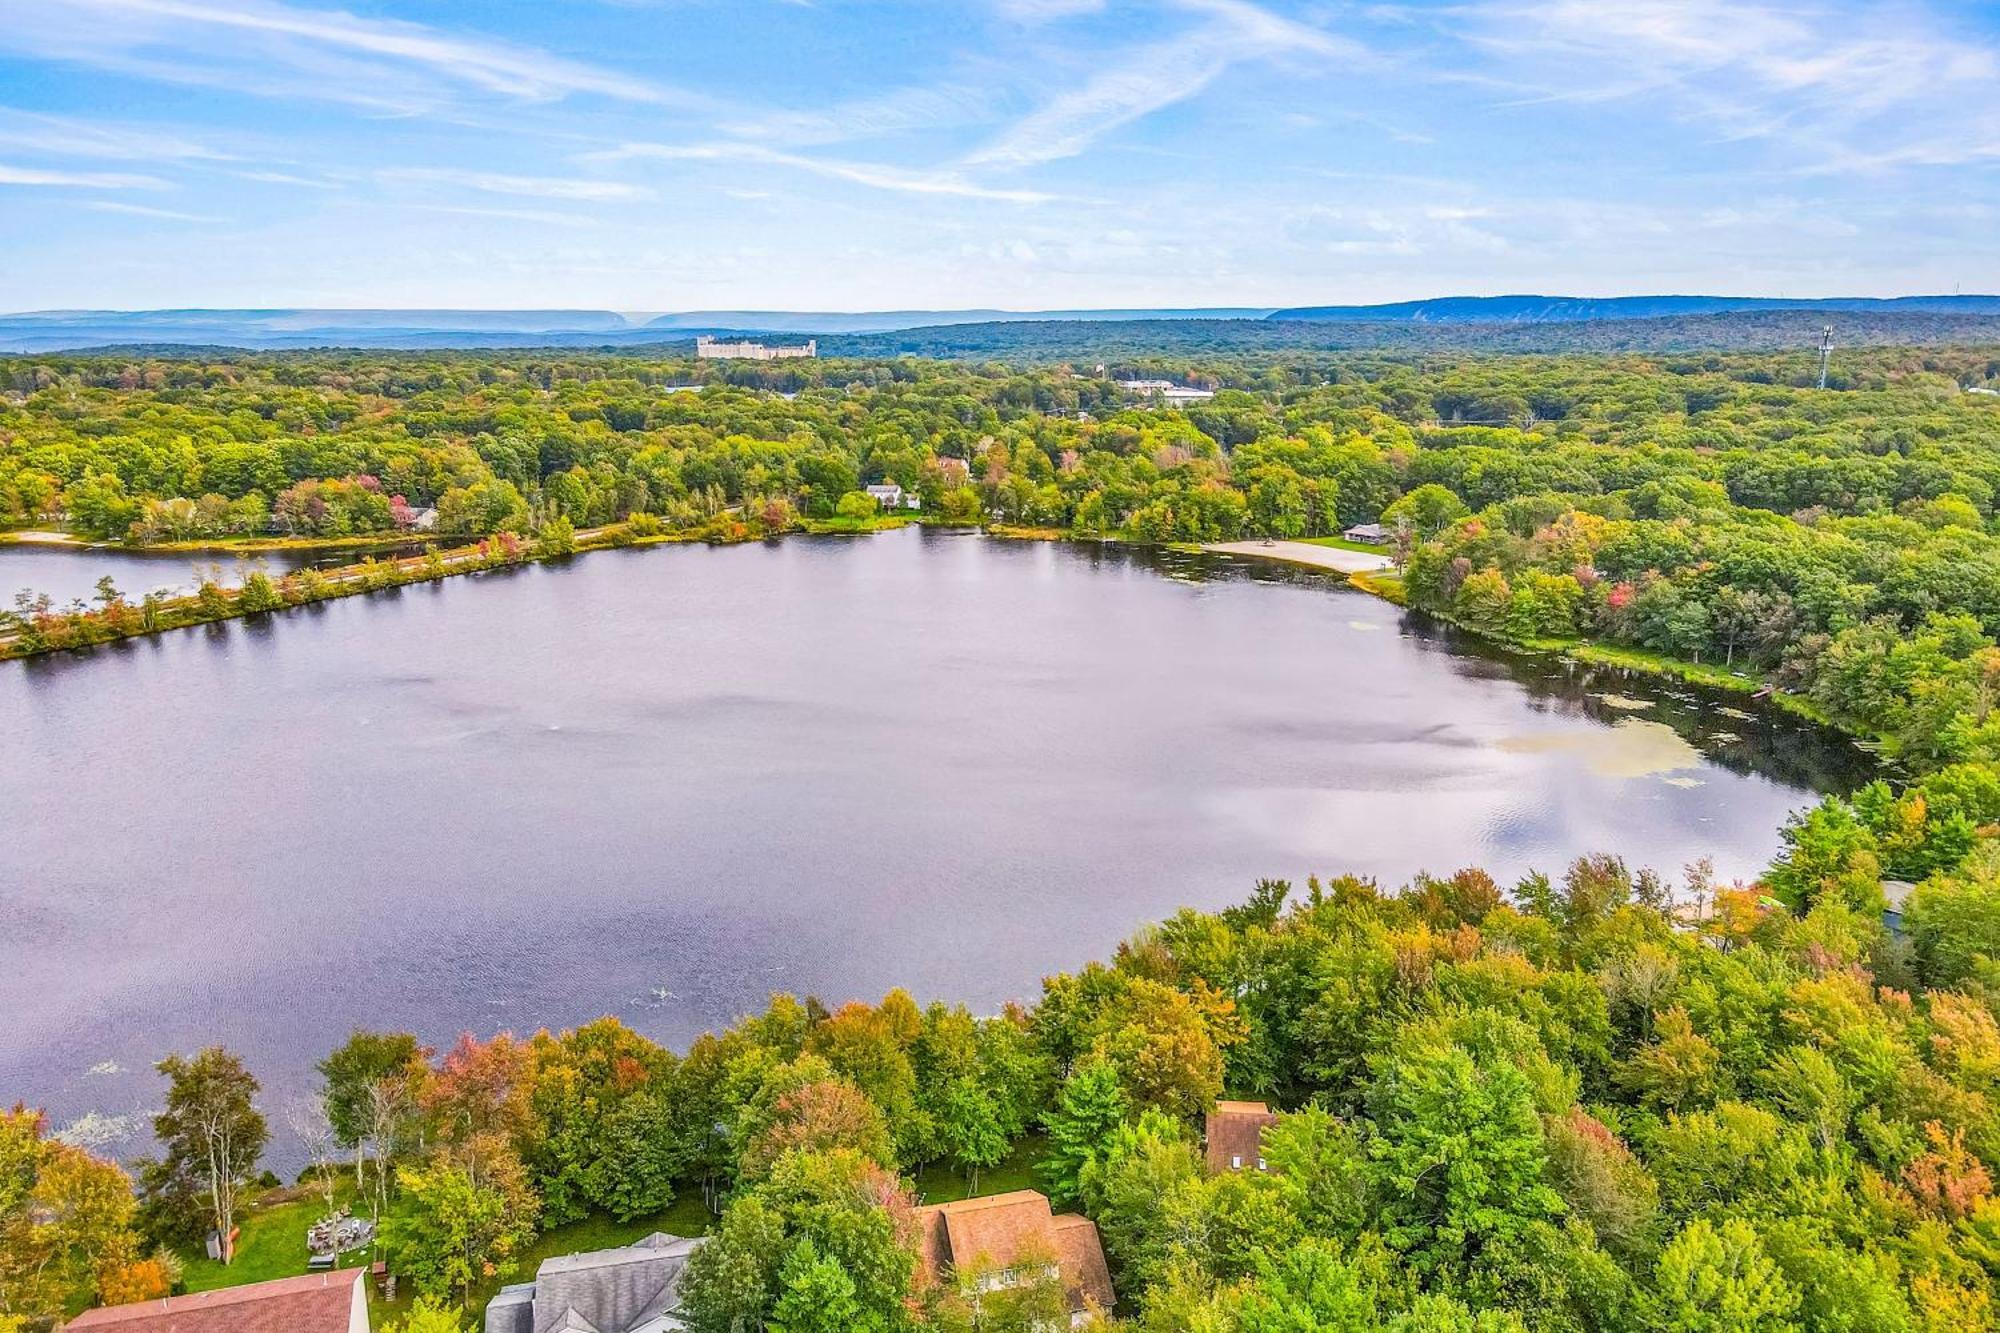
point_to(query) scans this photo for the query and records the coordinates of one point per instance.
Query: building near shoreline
(709, 349)
(891, 496)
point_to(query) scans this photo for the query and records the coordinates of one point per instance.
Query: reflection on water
(664, 783)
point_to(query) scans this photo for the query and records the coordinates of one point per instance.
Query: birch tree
(212, 1132)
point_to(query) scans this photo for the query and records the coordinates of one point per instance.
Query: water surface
(69, 573)
(663, 783)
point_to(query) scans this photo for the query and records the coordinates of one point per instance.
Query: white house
(891, 496)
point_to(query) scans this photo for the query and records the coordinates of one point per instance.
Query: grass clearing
(1342, 544)
(1016, 1171)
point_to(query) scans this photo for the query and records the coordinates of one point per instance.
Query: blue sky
(649, 155)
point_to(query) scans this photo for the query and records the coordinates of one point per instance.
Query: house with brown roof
(1013, 1237)
(1236, 1136)
(335, 1302)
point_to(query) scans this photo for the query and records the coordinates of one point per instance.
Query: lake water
(66, 574)
(661, 784)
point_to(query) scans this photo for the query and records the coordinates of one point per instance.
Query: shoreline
(1365, 572)
(1381, 580)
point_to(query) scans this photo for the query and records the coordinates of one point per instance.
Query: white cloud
(63, 136)
(508, 214)
(533, 187)
(141, 211)
(287, 178)
(1842, 89)
(873, 175)
(274, 49)
(1157, 76)
(84, 180)
(923, 108)
(1044, 11)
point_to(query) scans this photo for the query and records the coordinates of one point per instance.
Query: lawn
(1016, 1171)
(273, 1240)
(273, 1243)
(1342, 544)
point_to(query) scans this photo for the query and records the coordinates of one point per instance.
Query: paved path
(1303, 553)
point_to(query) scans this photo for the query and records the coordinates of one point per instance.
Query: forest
(1597, 1100)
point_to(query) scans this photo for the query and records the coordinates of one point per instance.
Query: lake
(66, 573)
(663, 783)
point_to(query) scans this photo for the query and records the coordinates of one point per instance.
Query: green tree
(970, 1131)
(1457, 1157)
(1428, 510)
(1718, 1279)
(815, 1295)
(427, 1316)
(259, 594)
(457, 1227)
(857, 507)
(212, 1136)
(1091, 1105)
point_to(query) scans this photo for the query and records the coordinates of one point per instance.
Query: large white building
(1166, 391)
(708, 349)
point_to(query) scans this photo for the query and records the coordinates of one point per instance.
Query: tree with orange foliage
(1949, 1180)
(66, 1232)
(819, 1115)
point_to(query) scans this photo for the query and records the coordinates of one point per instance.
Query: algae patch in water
(1628, 748)
(1624, 703)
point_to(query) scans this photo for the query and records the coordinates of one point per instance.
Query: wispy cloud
(287, 178)
(1043, 11)
(83, 180)
(274, 49)
(509, 214)
(64, 136)
(1159, 75)
(581, 190)
(873, 175)
(141, 211)
(1844, 89)
(920, 108)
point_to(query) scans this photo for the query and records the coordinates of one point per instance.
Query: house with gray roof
(632, 1289)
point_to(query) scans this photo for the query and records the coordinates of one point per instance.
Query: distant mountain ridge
(283, 328)
(59, 330)
(1572, 309)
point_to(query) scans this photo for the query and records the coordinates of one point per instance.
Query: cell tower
(1825, 351)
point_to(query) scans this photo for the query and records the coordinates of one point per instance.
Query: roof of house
(314, 1303)
(1007, 1230)
(998, 1229)
(628, 1289)
(1236, 1133)
(1086, 1277)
